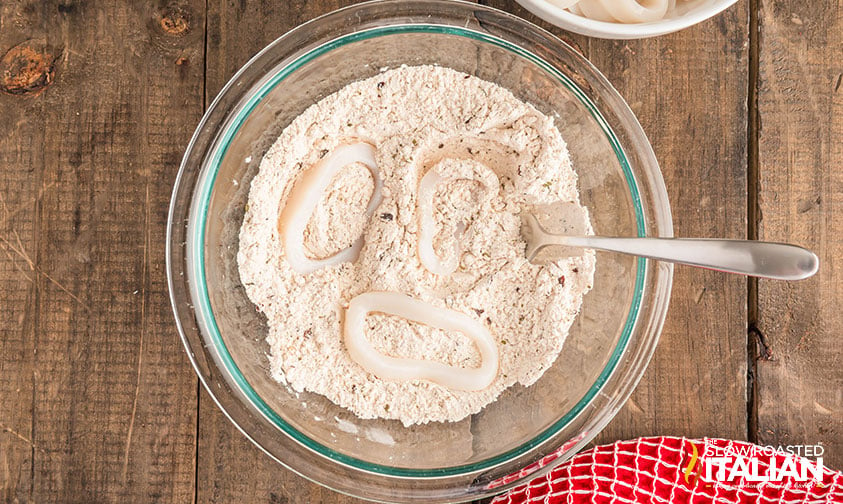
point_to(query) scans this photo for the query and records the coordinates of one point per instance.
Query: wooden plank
(94, 143)
(800, 102)
(231, 468)
(689, 92)
(19, 283)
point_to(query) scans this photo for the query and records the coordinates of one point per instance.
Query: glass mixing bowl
(526, 431)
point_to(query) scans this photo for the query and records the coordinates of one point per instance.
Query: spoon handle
(779, 261)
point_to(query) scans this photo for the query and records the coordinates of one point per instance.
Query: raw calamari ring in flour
(427, 256)
(395, 368)
(306, 195)
(427, 227)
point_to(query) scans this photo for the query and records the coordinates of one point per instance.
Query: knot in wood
(175, 20)
(27, 69)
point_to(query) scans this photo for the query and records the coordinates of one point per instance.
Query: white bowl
(682, 17)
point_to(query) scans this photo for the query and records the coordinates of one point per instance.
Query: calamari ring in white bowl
(623, 11)
(608, 346)
(625, 19)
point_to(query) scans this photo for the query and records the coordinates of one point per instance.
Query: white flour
(417, 118)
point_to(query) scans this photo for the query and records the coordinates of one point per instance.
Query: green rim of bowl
(205, 312)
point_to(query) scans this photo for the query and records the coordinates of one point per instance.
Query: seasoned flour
(501, 154)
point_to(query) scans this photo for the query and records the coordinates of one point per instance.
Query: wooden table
(98, 402)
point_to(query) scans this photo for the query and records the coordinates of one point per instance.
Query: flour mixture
(382, 242)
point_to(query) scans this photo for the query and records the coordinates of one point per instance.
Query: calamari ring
(623, 11)
(395, 368)
(427, 227)
(306, 195)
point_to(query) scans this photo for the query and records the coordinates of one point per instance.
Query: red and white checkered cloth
(668, 470)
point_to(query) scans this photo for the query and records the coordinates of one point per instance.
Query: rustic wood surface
(98, 402)
(800, 198)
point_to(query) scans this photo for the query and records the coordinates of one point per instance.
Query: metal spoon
(778, 261)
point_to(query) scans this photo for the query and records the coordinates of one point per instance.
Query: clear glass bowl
(527, 430)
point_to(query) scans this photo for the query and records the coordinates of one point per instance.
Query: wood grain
(19, 283)
(103, 400)
(689, 91)
(230, 467)
(800, 101)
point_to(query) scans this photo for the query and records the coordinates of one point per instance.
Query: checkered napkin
(673, 470)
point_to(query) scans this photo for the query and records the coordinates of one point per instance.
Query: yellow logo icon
(692, 464)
